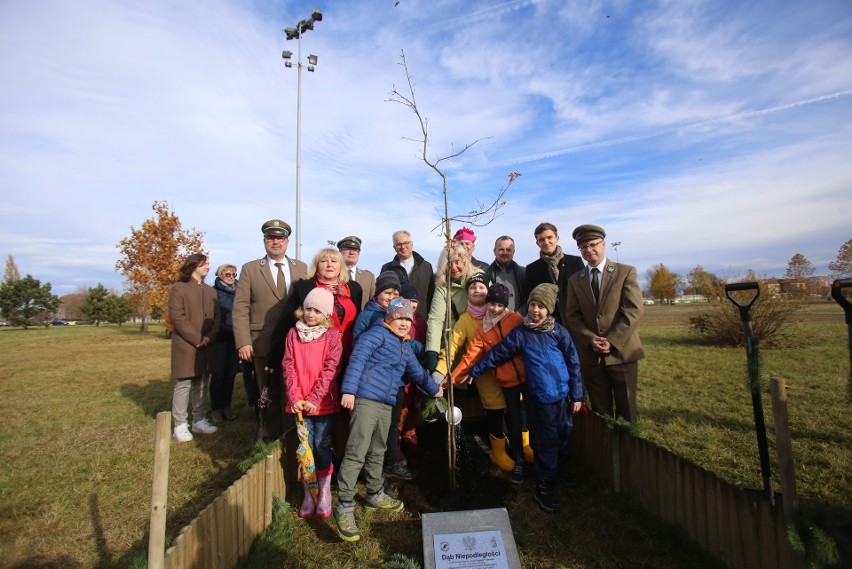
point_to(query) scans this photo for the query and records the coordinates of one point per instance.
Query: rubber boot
(324, 498)
(528, 451)
(308, 505)
(498, 454)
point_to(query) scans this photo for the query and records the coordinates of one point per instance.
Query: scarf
(220, 284)
(309, 333)
(553, 262)
(488, 322)
(476, 311)
(547, 325)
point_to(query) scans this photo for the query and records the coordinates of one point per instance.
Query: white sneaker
(204, 426)
(182, 434)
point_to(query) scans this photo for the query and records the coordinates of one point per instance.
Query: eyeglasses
(402, 245)
(589, 246)
(276, 238)
(229, 274)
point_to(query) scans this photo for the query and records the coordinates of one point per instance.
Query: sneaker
(229, 414)
(182, 434)
(203, 426)
(545, 495)
(217, 416)
(344, 521)
(382, 501)
(565, 477)
(400, 471)
(517, 475)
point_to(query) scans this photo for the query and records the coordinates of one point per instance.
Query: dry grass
(79, 407)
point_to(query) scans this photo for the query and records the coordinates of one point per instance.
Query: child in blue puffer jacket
(552, 369)
(380, 363)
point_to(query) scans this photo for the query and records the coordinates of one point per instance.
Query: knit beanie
(498, 293)
(399, 308)
(320, 299)
(477, 278)
(408, 291)
(545, 294)
(465, 234)
(386, 280)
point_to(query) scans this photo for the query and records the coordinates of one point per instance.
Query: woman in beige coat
(194, 314)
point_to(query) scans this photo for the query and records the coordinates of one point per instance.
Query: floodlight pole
(296, 33)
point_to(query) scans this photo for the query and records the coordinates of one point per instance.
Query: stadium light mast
(296, 34)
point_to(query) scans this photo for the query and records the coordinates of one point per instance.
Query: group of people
(353, 352)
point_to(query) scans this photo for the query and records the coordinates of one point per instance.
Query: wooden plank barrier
(740, 528)
(225, 530)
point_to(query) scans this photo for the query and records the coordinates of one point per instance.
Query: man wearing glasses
(258, 303)
(601, 309)
(410, 267)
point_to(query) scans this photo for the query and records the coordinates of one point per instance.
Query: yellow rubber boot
(528, 451)
(498, 454)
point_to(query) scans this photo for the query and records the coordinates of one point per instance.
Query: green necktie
(281, 282)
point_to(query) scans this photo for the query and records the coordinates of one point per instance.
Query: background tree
(841, 268)
(799, 275)
(70, 304)
(662, 283)
(26, 302)
(151, 258)
(96, 304)
(705, 284)
(118, 309)
(11, 273)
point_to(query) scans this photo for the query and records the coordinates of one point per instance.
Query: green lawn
(78, 407)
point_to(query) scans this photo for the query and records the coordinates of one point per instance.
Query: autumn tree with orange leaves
(151, 258)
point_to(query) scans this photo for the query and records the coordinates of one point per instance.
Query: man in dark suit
(412, 268)
(350, 248)
(602, 304)
(258, 303)
(552, 266)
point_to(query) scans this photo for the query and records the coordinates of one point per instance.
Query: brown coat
(194, 314)
(615, 317)
(257, 306)
(367, 280)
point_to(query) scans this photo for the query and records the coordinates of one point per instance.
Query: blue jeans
(320, 428)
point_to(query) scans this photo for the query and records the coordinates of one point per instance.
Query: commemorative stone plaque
(470, 539)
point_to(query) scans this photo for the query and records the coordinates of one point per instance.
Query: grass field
(78, 407)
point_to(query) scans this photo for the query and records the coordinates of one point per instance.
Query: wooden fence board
(767, 535)
(732, 503)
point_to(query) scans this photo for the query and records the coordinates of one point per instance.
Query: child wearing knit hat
(381, 361)
(496, 325)
(387, 289)
(552, 369)
(310, 366)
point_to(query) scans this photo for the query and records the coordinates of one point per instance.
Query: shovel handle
(742, 286)
(837, 294)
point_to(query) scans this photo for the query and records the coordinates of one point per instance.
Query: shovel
(753, 359)
(837, 294)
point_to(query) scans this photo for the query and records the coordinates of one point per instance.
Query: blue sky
(712, 133)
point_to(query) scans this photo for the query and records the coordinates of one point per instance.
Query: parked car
(58, 322)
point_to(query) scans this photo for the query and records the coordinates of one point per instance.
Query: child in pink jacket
(311, 364)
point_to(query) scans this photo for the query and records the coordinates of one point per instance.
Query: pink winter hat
(465, 234)
(320, 299)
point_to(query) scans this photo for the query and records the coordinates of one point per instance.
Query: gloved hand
(431, 361)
